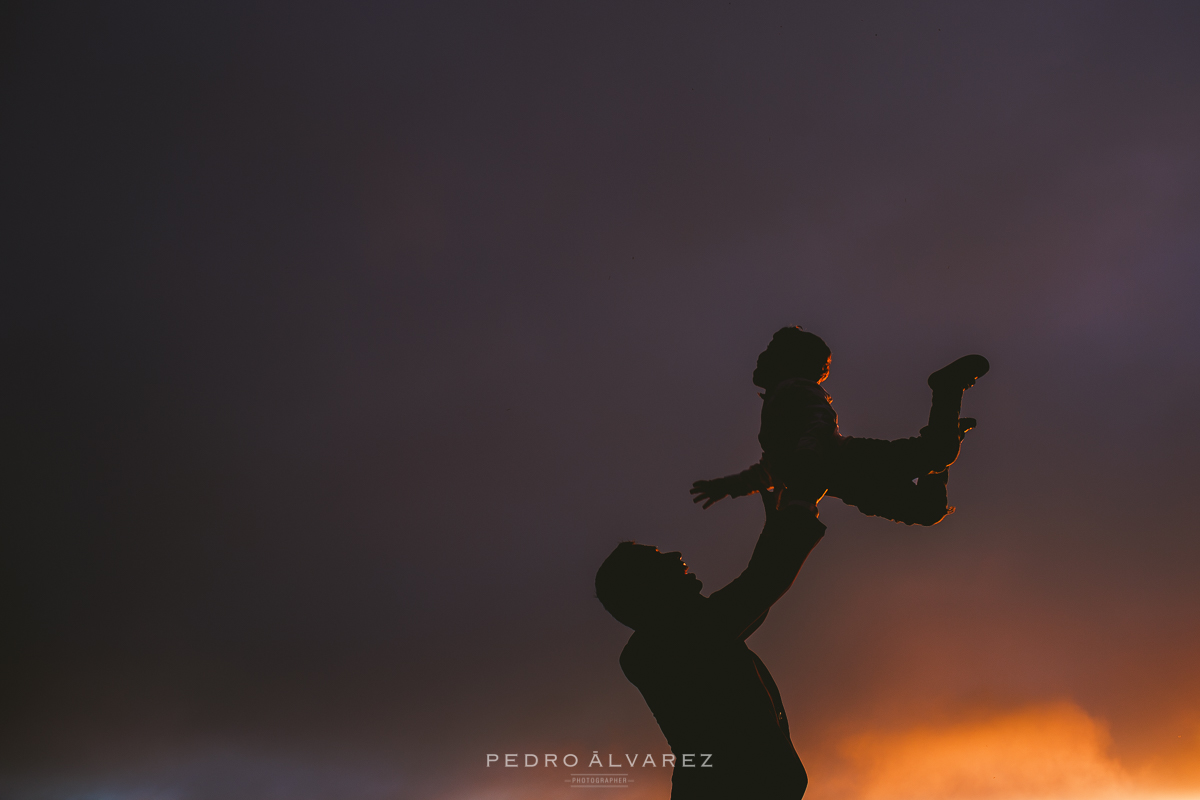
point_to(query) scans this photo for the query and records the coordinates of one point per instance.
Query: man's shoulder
(650, 647)
(636, 656)
(646, 645)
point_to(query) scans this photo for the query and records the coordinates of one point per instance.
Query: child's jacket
(797, 420)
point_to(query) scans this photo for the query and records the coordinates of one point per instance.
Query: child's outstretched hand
(746, 482)
(709, 492)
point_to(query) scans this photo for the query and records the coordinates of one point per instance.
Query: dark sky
(341, 343)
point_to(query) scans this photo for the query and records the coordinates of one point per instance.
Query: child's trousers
(877, 475)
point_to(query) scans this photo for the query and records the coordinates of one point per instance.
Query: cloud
(229, 774)
(1039, 752)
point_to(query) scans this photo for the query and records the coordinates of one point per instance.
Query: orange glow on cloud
(1048, 751)
(1044, 752)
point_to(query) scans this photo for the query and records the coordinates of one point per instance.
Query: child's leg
(858, 467)
(943, 434)
(920, 503)
(877, 475)
(948, 385)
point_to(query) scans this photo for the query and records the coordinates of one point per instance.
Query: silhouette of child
(801, 443)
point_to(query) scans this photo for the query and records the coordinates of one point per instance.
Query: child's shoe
(960, 374)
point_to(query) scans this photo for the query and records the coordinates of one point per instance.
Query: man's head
(640, 586)
(792, 353)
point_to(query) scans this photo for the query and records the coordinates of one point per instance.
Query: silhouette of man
(712, 696)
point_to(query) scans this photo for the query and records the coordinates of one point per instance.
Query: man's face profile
(667, 573)
(641, 586)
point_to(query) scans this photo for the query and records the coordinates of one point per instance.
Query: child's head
(792, 353)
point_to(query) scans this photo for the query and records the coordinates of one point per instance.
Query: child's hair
(792, 353)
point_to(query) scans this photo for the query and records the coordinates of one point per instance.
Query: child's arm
(748, 481)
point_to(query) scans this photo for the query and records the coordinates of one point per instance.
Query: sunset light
(528, 400)
(1046, 752)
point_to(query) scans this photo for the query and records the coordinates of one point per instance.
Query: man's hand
(806, 493)
(806, 496)
(771, 501)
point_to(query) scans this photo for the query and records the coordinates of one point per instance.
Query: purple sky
(342, 343)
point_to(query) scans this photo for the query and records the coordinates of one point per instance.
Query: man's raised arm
(788, 536)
